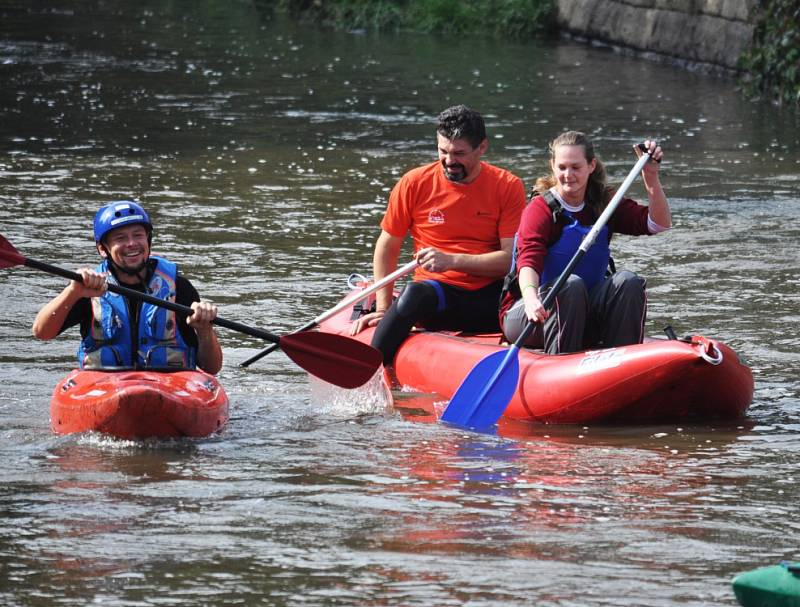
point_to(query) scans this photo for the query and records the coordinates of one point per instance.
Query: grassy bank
(514, 18)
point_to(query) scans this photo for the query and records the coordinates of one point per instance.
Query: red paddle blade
(9, 257)
(337, 359)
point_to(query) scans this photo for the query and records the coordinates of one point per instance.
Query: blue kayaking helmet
(117, 214)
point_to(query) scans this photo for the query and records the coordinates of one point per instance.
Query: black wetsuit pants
(437, 306)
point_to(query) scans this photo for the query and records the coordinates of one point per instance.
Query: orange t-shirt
(455, 218)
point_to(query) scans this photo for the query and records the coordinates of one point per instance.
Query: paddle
(389, 278)
(336, 359)
(485, 393)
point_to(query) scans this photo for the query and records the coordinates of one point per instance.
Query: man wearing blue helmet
(120, 332)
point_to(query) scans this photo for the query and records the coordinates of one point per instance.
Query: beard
(127, 268)
(455, 172)
(137, 269)
(132, 271)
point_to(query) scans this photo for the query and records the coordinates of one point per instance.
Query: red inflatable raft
(139, 404)
(659, 381)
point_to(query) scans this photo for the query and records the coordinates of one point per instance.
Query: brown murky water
(265, 153)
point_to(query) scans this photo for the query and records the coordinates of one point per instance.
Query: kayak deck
(139, 404)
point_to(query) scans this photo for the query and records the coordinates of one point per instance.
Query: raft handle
(356, 280)
(709, 351)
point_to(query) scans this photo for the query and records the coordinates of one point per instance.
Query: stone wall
(704, 32)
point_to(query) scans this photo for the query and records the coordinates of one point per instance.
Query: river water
(265, 152)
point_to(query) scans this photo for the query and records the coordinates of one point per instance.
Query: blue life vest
(592, 268)
(159, 341)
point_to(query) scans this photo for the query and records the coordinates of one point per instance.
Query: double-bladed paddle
(336, 359)
(485, 393)
(388, 279)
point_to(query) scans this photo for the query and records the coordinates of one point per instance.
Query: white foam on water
(110, 443)
(373, 397)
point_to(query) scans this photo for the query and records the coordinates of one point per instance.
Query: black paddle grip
(643, 147)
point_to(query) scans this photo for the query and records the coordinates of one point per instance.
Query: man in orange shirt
(462, 214)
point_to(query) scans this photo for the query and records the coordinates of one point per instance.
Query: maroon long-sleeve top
(537, 231)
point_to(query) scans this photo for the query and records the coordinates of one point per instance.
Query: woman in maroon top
(592, 307)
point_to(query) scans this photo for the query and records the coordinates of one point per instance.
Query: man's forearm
(494, 264)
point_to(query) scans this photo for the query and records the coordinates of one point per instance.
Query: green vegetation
(516, 18)
(773, 64)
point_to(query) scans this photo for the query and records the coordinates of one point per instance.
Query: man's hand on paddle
(93, 284)
(204, 314)
(428, 258)
(51, 316)
(434, 261)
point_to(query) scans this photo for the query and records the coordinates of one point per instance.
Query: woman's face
(571, 170)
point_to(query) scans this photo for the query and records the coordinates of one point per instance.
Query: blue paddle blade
(485, 393)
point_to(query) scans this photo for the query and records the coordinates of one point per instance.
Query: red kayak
(659, 381)
(139, 404)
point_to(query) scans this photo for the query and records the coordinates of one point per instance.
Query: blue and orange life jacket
(159, 343)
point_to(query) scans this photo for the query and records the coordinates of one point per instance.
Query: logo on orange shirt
(436, 217)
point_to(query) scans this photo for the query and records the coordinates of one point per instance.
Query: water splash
(371, 398)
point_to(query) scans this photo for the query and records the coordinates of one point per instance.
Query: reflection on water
(265, 153)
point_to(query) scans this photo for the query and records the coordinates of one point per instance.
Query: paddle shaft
(588, 241)
(386, 280)
(134, 294)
